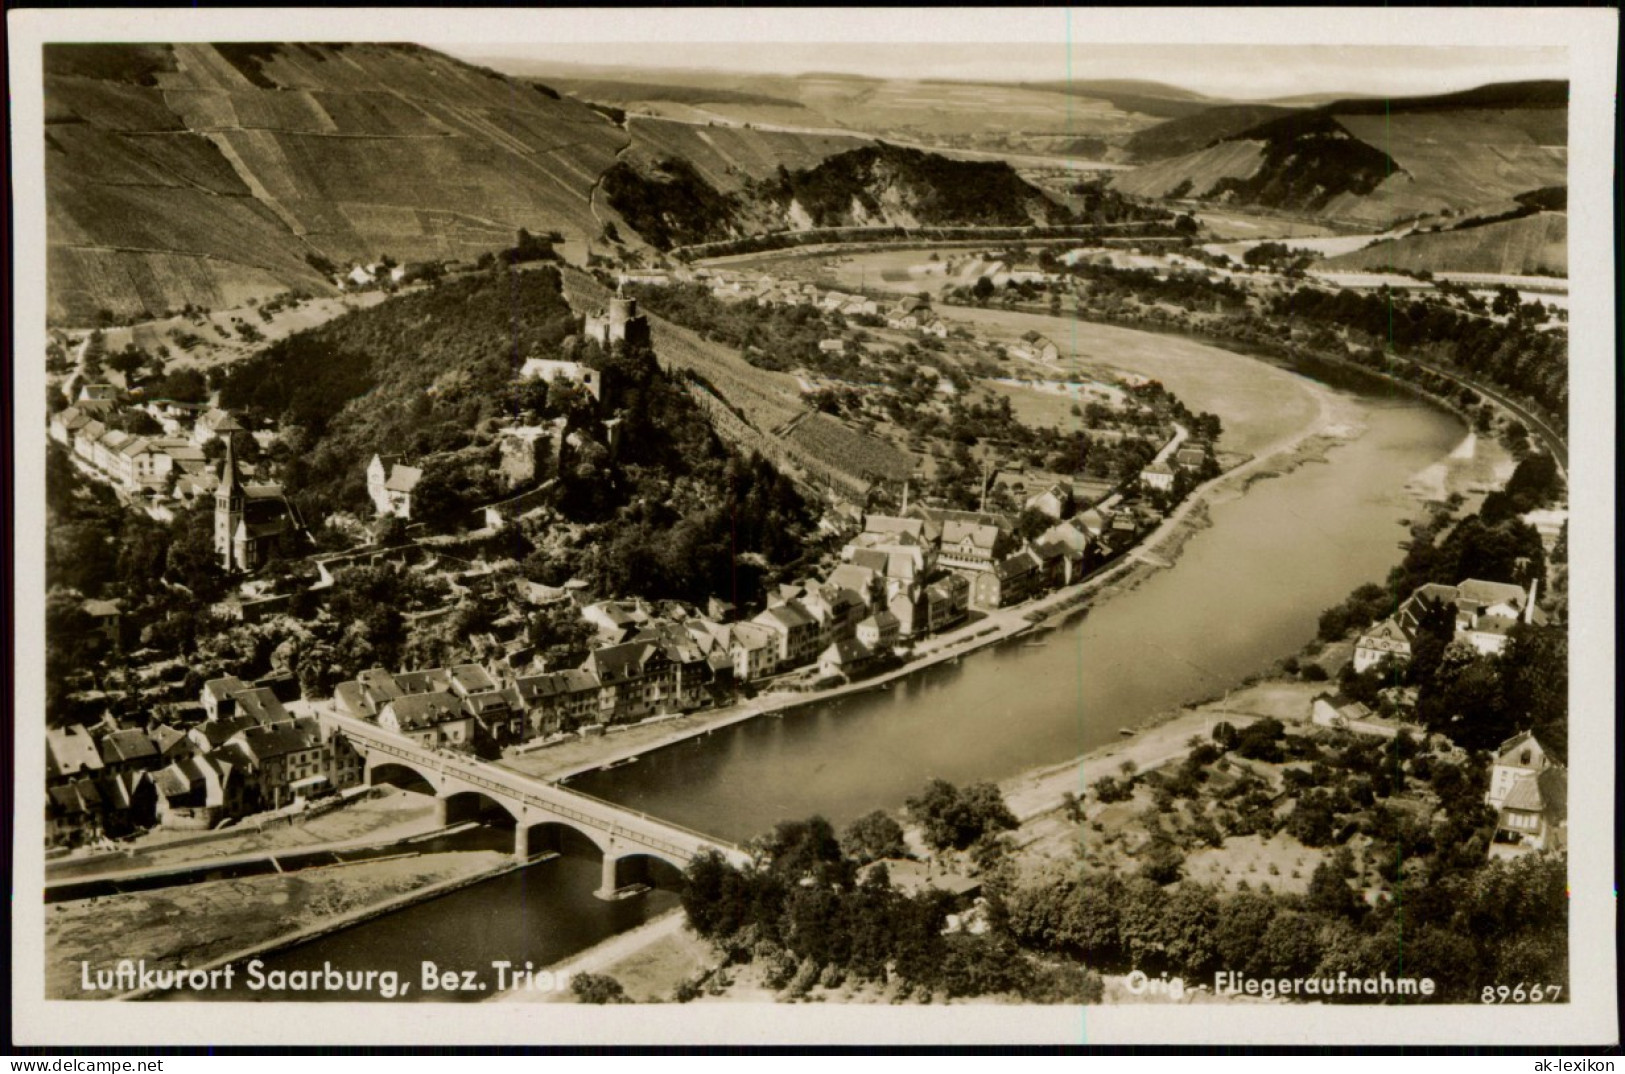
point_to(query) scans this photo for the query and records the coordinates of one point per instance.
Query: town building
(249, 520)
(1529, 791)
(556, 371)
(795, 634)
(434, 719)
(1159, 475)
(1485, 614)
(1036, 348)
(390, 484)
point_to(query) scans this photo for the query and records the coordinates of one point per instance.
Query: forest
(1516, 355)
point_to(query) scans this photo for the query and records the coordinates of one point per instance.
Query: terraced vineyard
(728, 156)
(758, 402)
(850, 451)
(1530, 245)
(207, 174)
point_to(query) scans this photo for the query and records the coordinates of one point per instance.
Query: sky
(1248, 71)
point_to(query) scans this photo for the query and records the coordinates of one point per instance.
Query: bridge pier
(521, 843)
(612, 882)
(442, 812)
(608, 880)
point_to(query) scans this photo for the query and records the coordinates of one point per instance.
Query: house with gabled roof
(73, 813)
(65, 424)
(1518, 757)
(753, 649)
(435, 718)
(908, 313)
(391, 484)
(212, 423)
(1386, 640)
(1036, 348)
(127, 751)
(845, 658)
(1159, 475)
(879, 631)
(70, 754)
(944, 604)
(795, 632)
(634, 680)
(1055, 501)
(968, 546)
(1529, 791)
(557, 701)
(285, 762)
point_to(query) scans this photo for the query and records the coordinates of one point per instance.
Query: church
(249, 520)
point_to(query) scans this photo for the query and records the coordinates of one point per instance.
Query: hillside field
(1527, 246)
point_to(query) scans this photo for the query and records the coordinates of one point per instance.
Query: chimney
(1529, 607)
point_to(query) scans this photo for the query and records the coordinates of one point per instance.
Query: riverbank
(214, 923)
(1333, 420)
(649, 962)
(386, 815)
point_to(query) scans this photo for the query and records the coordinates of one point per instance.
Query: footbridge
(543, 813)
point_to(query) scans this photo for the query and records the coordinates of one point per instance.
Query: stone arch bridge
(542, 812)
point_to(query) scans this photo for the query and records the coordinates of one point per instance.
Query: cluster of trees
(1516, 355)
(670, 203)
(1191, 290)
(1103, 205)
(1279, 257)
(1464, 928)
(770, 337)
(420, 375)
(805, 916)
(163, 574)
(1470, 919)
(935, 189)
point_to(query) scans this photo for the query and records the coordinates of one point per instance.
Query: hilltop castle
(621, 323)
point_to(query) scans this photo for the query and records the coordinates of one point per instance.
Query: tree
(1329, 891)
(982, 289)
(716, 898)
(956, 819)
(1289, 947)
(1243, 919)
(873, 837)
(597, 988)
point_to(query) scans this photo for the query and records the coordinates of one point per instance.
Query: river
(1245, 591)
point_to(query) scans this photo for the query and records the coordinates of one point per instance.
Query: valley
(865, 517)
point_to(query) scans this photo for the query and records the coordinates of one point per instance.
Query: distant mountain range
(212, 174)
(1372, 162)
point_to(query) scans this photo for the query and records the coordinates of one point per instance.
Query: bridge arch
(562, 837)
(640, 867)
(464, 804)
(402, 774)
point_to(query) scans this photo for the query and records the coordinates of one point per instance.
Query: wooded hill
(431, 375)
(670, 204)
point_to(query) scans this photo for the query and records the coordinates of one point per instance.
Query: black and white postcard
(762, 526)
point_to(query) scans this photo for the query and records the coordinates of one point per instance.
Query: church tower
(228, 510)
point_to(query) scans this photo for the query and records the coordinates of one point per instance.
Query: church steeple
(229, 482)
(228, 510)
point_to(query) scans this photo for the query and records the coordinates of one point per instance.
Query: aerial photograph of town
(544, 524)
